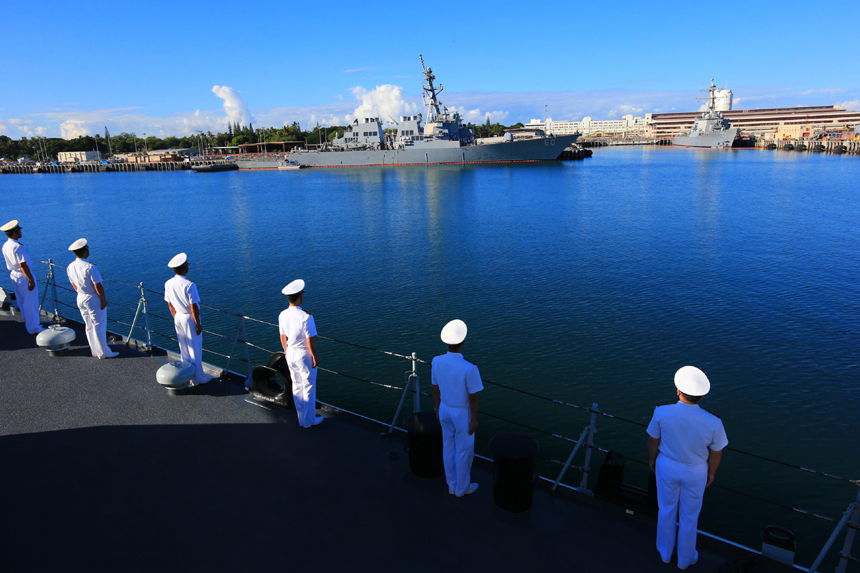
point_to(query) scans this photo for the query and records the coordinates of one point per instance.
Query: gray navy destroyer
(442, 139)
(711, 129)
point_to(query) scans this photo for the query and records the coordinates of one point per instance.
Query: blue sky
(173, 67)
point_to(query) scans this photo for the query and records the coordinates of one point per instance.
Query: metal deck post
(592, 429)
(852, 509)
(241, 336)
(133, 323)
(845, 555)
(146, 320)
(50, 281)
(589, 431)
(416, 383)
(411, 381)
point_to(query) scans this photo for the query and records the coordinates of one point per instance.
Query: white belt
(684, 463)
(455, 407)
(13, 273)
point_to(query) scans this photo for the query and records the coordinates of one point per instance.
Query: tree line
(236, 134)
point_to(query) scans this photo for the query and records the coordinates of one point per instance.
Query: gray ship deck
(104, 471)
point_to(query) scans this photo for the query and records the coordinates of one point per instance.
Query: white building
(723, 99)
(627, 124)
(78, 156)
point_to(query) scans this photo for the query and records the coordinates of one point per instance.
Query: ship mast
(711, 99)
(432, 103)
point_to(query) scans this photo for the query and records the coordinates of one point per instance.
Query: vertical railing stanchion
(146, 320)
(50, 282)
(588, 431)
(57, 316)
(849, 513)
(241, 336)
(412, 384)
(48, 277)
(134, 321)
(233, 348)
(416, 383)
(247, 352)
(849, 537)
(592, 429)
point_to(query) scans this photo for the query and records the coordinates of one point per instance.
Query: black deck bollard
(273, 383)
(514, 471)
(425, 445)
(610, 477)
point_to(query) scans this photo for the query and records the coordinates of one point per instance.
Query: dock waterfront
(107, 168)
(807, 145)
(107, 472)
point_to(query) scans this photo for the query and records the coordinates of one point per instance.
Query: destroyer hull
(528, 150)
(721, 139)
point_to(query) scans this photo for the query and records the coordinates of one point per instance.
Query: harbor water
(588, 282)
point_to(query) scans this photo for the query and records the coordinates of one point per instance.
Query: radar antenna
(431, 101)
(711, 99)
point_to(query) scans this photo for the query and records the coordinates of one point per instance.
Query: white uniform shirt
(84, 275)
(297, 326)
(687, 432)
(15, 253)
(181, 293)
(456, 378)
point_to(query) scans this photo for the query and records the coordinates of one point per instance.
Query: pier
(812, 146)
(109, 167)
(612, 141)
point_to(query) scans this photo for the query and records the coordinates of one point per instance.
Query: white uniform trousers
(680, 489)
(190, 343)
(458, 447)
(28, 302)
(304, 385)
(95, 319)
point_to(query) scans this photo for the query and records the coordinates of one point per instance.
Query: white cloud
(853, 104)
(235, 107)
(829, 91)
(72, 128)
(367, 69)
(382, 101)
(27, 127)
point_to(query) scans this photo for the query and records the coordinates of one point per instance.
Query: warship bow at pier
(711, 129)
(442, 139)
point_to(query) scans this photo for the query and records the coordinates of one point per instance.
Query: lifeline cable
(498, 384)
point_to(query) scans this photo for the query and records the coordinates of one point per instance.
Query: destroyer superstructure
(443, 138)
(711, 129)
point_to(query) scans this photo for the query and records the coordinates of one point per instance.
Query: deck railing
(239, 353)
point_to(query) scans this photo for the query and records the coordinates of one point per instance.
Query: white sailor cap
(294, 287)
(10, 226)
(454, 332)
(177, 261)
(79, 244)
(692, 381)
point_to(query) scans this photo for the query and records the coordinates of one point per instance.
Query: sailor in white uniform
(297, 331)
(92, 303)
(26, 290)
(456, 383)
(685, 444)
(182, 298)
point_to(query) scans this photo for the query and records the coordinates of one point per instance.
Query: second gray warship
(442, 139)
(711, 129)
